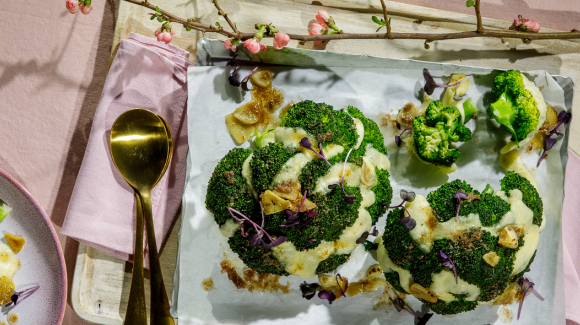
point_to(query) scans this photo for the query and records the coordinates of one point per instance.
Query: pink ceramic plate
(42, 262)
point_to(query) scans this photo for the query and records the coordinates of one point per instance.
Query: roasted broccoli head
(452, 265)
(288, 207)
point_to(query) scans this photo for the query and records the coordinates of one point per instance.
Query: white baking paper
(373, 91)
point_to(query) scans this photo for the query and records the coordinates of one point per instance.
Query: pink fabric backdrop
(52, 69)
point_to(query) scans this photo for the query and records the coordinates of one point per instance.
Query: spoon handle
(136, 311)
(159, 303)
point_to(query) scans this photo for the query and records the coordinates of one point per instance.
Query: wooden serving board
(101, 282)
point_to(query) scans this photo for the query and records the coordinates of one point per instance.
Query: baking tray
(212, 53)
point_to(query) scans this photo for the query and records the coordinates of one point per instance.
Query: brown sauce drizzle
(252, 280)
(207, 284)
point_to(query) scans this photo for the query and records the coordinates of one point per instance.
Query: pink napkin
(571, 238)
(101, 213)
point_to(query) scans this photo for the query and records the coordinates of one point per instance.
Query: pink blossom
(317, 29)
(165, 37)
(322, 16)
(157, 32)
(263, 47)
(532, 26)
(72, 6)
(281, 40)
(252, 45)
(85, 10)
(229, 46)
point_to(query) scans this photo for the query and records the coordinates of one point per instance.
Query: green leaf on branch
(217, 24)
(389, 21)
(187, 28)
(470, 3)
(378, 29)
(152, 17)
(157, 9)
(376, 20)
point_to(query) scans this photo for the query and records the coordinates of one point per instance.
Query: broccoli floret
(334, 215)
(393, 278)
(515, 107)
(383, 195)
(530, 197)
(451, 308)
(255, 257)
(433, 112)
(469, 108)
(228, 188)
(491, 209)
(445, 206)
(463, 133)
(332, 263)
(488, 190)
(432, 143)
(320, 120)
(266, 163)
(311, 172)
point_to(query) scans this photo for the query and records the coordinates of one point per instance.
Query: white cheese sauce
(247, 175)
(444, 287)
(360, 130)
(387, 265)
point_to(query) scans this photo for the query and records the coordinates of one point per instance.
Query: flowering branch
(388, 23)
(527, 35)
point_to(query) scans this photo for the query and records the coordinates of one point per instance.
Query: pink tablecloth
(52, 69)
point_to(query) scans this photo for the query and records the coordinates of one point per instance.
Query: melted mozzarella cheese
(9, 262)
(291, 169)
(360, 130)
(351, 177)
(247, 175)
(290, 137)
(377, 158)
(229, 228)
(444, 287)
(525, 253)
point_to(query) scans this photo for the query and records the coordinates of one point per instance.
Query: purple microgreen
(343, 292)
(310, 213)
(407, 196)
(549, 142)
(448, 263)
(400, 305)
(362, 237)
(430, 85)
(347, 198)
(375, 232)
(312, 240)
(256, 239)
(18, 296)
(290, 225)
(233, 78)
(309, 289)
(527, 287)
(305, 142)
(409, 222)
(328, 295)
(231, 62)
(246, 79)
(294, 216)
(461, 194)
(398, 136)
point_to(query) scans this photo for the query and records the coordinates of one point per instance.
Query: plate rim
(52, 233)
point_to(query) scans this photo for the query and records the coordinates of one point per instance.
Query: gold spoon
(139, 147)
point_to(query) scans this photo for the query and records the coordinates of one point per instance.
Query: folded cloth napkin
(146, 74)
(570, 231)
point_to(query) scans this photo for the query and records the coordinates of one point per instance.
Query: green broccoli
(324, 123)
(530, 197)
(4, 210)
(445, 206)
(451, 119)
(452, 307)
(383, 195)
(432, 143)
(469, 109)
(372, 136)
(266, 163)
(515, 107)
(392, 277)
(332, 263)
(491, 209)
(255, 257)
(463, 133)
(228, 188)
(433, 112)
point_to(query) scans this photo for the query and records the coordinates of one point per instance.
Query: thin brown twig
(222, 13)
(429, 37)
(478, 15)
(386, 18)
